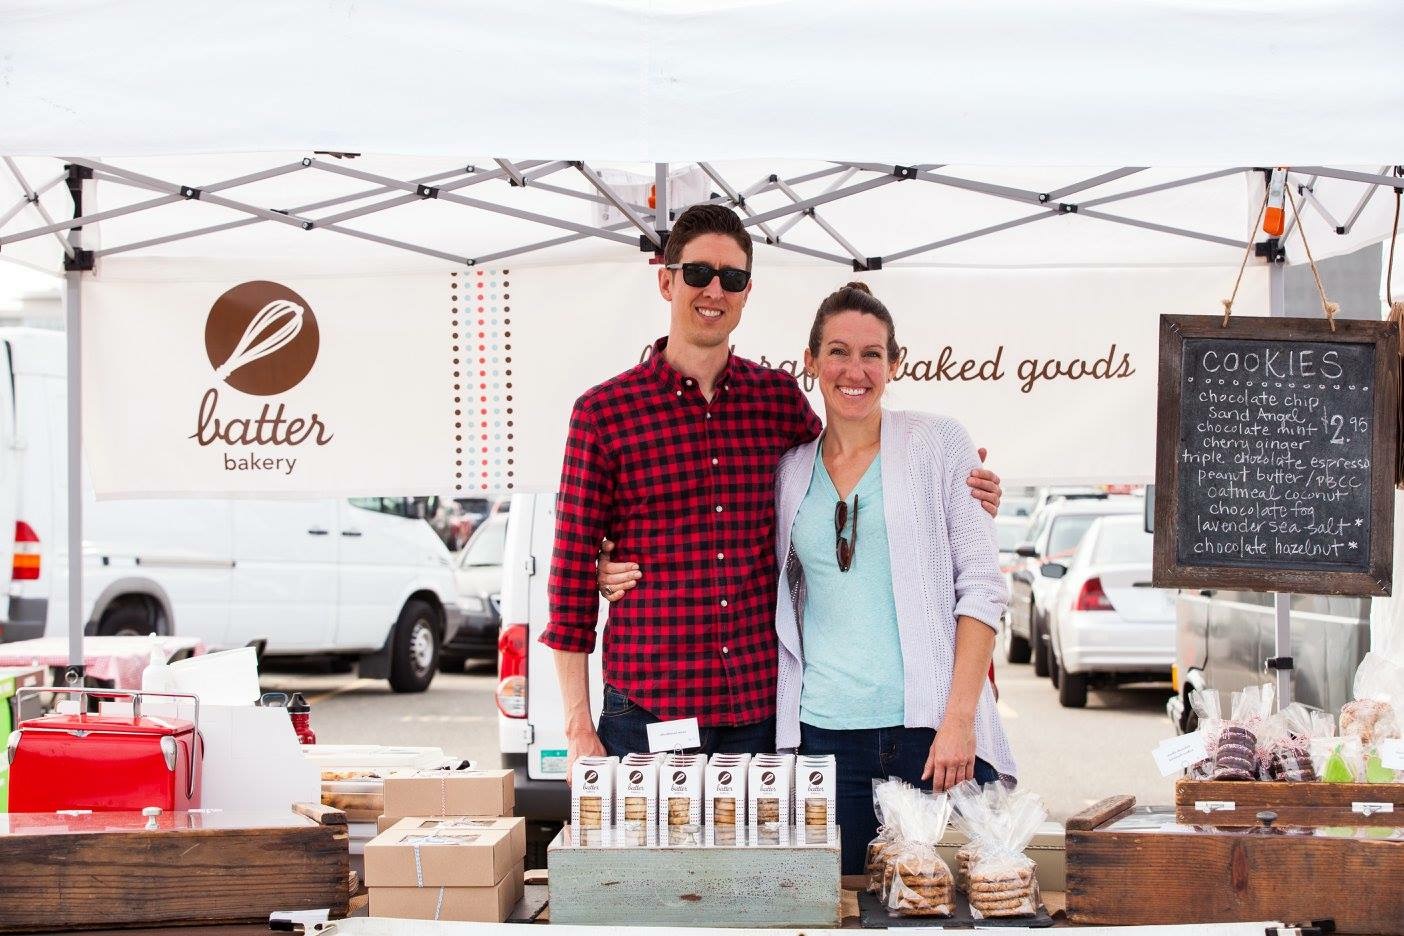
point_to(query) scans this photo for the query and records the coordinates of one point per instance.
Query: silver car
(1108, 626)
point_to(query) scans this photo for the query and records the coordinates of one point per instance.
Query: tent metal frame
(646, 229)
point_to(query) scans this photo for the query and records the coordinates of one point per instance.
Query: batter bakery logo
(261, 339)
(679, 778)
(592, 776)
(768, 778)
(636, 777)
(816, 778)
(724, 778)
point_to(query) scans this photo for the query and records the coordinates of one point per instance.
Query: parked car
(1053, 535)
(1222, 638)
(478, 576)
(1107, 624)
(364, 579)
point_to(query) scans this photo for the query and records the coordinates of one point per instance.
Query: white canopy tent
(1016, 135)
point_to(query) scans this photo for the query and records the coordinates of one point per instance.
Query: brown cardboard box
(1048, 850)
(477, 904)
(513, 824)
(450, 793)
(440, 857)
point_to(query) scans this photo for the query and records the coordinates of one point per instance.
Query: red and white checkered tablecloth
(118, 660)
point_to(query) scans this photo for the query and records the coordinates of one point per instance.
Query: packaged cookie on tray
(681, 783)
(1284, 746)
(816, 799)
(1208, 709)
(916, 882)
(592, 794)
(1375, 714)
(1002, 880)
(636, 799)
(1236, 752)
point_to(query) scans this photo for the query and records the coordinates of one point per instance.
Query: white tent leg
(1281, 601)
(72, 304)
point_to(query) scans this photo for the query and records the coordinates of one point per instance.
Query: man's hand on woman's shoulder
(984, 487)
(614, 579)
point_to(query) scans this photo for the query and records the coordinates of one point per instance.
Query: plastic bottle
(1275, 215)
(157, 675)
(301, 714)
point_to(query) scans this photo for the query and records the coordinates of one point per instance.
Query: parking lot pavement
(1075, 757)
(457, 713)
(1072, 757)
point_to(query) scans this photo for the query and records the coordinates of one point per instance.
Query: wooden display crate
(1130, 866)
(780, 887)
(1220, 803)
(105, 870)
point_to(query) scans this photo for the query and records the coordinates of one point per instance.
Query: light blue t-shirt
(853, 676)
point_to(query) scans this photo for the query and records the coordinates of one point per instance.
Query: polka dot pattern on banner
(481, 360)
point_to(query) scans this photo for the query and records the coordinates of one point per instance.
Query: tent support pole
(1281, 601)
(72, 308)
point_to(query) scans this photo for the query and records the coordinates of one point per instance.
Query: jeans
(623, 730)
(865, 755)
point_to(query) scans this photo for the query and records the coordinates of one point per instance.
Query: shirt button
(724, 649)
(687, 383)
(709, 415)
(679, 393)
(714, 461)
(723, 602)
(719, 510)
(721, 556)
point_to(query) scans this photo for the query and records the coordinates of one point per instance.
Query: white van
(531, 723)
(366, 579)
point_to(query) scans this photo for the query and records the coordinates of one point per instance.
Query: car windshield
(1067, 533)
(1010, 534)
(485, 548)
(1016, 506)
(1123, 542)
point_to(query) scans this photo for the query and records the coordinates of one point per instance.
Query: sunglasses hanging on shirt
(843, 547)
(699, 275)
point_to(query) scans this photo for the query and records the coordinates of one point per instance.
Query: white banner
(246, 383)
(217, 378)
(1052, 370)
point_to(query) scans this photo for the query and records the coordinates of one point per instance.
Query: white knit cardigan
(945, 564)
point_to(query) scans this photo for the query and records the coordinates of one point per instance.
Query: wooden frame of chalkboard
(1370, 573)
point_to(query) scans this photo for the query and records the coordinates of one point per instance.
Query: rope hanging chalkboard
(1396, 315)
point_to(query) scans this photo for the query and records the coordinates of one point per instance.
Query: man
(674, 461)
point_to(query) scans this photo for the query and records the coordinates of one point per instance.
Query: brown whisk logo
(261, 338)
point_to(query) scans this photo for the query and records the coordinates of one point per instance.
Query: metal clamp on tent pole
(190, 192)
(1271, 250)
(867, 265)
(1067, 208)
(1278, 663)
(905, 172)
(81, 262)
(427, 191)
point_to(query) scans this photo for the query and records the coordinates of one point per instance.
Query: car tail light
(26, 563)
(1092, 597)
(512, 671)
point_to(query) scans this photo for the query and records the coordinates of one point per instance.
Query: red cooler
(106, 762)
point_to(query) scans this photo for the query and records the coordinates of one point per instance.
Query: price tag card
(1174, 755)
(1391, 754)
(676, 735)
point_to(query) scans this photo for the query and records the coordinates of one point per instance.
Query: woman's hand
(952, 757)
(984, 487)
(614, 578)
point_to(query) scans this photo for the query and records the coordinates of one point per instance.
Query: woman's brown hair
(854, 297)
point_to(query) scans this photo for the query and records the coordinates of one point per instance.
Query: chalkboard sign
(1275, 454)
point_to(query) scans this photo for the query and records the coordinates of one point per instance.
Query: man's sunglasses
(698, 275)
(843, 548)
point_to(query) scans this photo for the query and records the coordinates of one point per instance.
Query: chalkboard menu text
(1275, 454)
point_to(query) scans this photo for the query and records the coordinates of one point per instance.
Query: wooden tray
(106, 870)
(1220, 803)
(1129, 866)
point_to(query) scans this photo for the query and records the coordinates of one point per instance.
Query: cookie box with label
(1129, 865)
(1239, 803)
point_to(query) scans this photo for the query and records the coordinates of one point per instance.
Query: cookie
(635, 809)
(991, 907)
(724, 811)
(768, 810)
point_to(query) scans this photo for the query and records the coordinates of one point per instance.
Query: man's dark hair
(705, 219)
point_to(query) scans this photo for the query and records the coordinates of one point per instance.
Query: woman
(890, 592)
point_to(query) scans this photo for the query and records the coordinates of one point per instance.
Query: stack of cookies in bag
(992, 869)
(903, 866)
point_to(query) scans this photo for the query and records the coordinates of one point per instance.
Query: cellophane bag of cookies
(1209, 711)
(918, 882)
(1235, 754)
(1284, 746)
(974, 814)
(884, 845)
(1003, 882)
(1375, 713)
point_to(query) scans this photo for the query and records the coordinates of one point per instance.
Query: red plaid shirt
(686, 489)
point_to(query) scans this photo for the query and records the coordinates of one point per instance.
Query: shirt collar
(657, 366)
